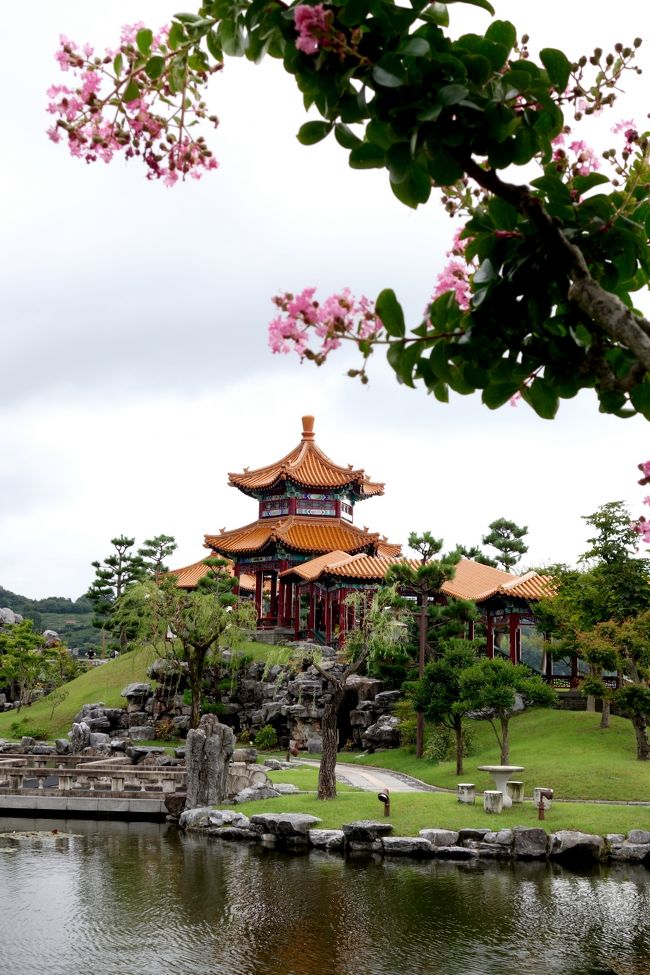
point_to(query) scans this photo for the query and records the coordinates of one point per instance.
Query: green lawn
(562, 750)
(305, 779)
(411, 812)
(104, 683)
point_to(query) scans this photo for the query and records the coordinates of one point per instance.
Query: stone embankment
(300, 831)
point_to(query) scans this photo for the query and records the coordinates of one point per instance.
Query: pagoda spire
(308, 428)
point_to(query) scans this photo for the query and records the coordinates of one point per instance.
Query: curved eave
(295, 534)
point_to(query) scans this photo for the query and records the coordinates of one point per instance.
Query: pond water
(142, 899)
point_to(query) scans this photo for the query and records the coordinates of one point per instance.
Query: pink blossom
(130, 32)
(338, 316)
(313, 25)
(515, 400)
(454, 277)
(586, 159)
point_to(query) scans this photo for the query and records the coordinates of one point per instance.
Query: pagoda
(305, 511)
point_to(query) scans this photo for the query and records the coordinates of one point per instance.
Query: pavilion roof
(307, 466)
(188, 576)
(297, 533)
(472, 580)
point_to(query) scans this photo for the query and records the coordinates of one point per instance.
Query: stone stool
(515, 790)
(466, 792)
(492, 801)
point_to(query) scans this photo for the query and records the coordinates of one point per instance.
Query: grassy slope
(563, 750)
(104, 683)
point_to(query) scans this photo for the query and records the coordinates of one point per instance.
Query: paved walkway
(372, 779)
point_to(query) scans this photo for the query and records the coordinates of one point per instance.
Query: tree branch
(602, 307)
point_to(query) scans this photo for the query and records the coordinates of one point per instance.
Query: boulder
(79, 737)
(9, 618)
(209, 750)
(245, 755)
(286, 788)
(630, 852)
(366, 831)
(62, 746)
(455, 853)
(638, 836)
(383, 734)
(99, 740)
(440, 837)
(327, 839)
(138, 691)
(529, 843)
(472, 834)
(143, 732)
(569, 844)
(407, 846)
(181, 724)
(253, 792)
(286, 825)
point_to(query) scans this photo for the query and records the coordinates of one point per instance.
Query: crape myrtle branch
(537, 302)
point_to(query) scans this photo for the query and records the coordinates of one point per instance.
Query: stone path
(372, 779)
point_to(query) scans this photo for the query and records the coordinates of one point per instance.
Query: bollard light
(385, 798)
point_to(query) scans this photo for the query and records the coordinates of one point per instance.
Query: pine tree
(113, 576)
(506, 537)
(154, 552)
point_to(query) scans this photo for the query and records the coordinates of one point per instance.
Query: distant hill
(72, 619)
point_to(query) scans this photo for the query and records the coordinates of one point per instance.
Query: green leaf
(452, 94)
(478, 68)
(144, 40)
(390, 312)
(345, 136)
(389, 78)
(155, 67)
(640, 397)
(584, 183)
(416, 47)
(502, 32)
(131, 92)
(496, 394)
(353, 12)
(415, 188)
(176, 35)
(557, 65)
(312, 132)
(399, 161)
(436, 13)
(443, 169)
(485, 274)
(232, 37)
(118, 65)
(214, 45)
(543, 398)
(367, 156)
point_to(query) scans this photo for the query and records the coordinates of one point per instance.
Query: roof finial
(307, 428)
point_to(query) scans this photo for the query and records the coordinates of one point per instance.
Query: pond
(142, 899)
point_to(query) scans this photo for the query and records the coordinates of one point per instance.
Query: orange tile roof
(307, 466)
(297, 533)
(472, 580)
(188, 576)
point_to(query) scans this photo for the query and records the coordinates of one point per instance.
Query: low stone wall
(298, 830)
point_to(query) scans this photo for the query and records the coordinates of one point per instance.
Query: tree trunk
(329, 733)
(641, 731)
(196, 661)
(458, 732)
(604, 717)
(591, 703)
(505, 742)
(419, 729)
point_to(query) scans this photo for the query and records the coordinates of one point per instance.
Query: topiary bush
(266, 738)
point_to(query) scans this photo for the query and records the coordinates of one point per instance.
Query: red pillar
(574, 672)
(328, 618)
(470, 630)
(274, 595)
(259, 577)
(296, 611)
(311, 618)
(343, 616)
(513, 621)
(490, 637)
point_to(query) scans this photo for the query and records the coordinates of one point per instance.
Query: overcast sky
(134, 368)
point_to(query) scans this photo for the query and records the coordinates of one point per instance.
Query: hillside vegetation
(562, 750)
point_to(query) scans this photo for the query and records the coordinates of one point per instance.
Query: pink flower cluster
(313, 25)
(98, 121)
(577, 157)
(642, 526)
(339, 317)
(456, 275)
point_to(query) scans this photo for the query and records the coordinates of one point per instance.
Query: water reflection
(134, 899)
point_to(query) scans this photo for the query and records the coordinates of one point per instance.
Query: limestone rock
(209, 750)
(638, 836)
(327, 839)
(440, 837)
(144, 732)
(409, 846)
(286, 788)
(529, 843)
(383, 734)
(62, 746)
(630, 852)
(79, 737)
(568, 844)
(285, 824)
(253, 792)
(455, 853)
(366, 830)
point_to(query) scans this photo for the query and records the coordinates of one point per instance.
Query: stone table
(501, 774)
